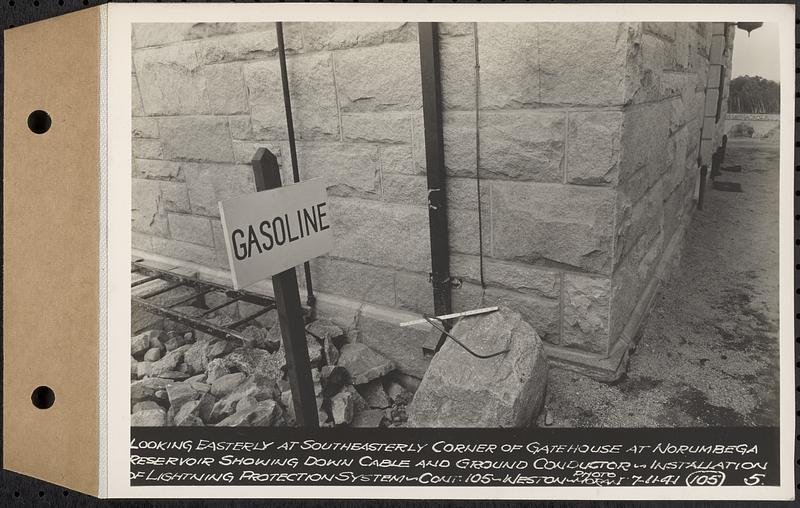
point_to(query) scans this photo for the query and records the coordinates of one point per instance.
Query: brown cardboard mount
(51, 211)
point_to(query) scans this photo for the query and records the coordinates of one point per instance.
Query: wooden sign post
(290, 314)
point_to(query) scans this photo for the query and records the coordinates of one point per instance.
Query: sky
(756, 55)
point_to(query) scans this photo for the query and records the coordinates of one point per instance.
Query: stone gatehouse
(587, 139)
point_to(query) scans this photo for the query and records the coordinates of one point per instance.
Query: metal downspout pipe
(435, 170)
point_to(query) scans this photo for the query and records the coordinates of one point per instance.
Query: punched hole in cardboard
(39, 121)
(43, 397)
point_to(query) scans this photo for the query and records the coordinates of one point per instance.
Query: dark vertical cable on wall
(287, 103)
(478, 153)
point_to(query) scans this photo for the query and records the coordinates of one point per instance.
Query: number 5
(754, 479)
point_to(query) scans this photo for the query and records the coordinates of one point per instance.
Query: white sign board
(274, 230)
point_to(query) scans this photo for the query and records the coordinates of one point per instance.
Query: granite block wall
(585, 137)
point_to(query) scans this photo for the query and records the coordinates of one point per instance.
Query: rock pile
(184, 377)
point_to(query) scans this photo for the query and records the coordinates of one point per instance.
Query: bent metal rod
(473, 353)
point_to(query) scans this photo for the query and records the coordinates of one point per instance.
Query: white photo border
(115, 480)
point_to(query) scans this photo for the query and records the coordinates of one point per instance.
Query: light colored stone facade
(588, 137)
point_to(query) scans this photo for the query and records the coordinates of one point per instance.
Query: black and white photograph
(401, 251)
(460, 255)
(606, 240)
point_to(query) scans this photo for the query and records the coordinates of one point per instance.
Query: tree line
(754, 94)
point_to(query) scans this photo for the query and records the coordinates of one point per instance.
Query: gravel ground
(708, 353)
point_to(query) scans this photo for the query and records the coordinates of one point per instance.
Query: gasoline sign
(273, 230)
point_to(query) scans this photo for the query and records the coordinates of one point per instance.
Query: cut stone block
(586, 313)
(171, 81)
(312, 84)
(368, 81)
(509, 57)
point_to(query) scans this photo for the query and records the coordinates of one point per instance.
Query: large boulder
(462, 390)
